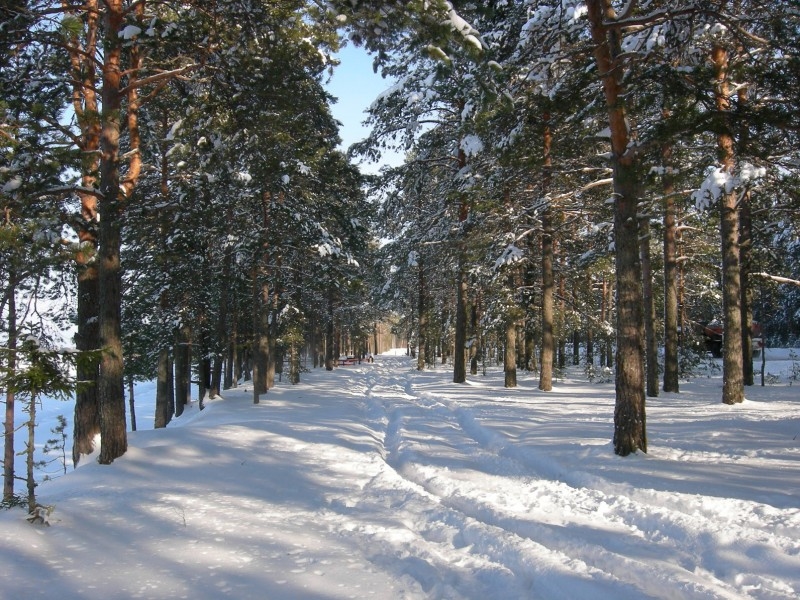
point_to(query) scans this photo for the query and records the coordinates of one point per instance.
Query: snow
(511, 254)
(12, 185)
(130, 32)
(720, 181)
(379, 481)
(471, 145)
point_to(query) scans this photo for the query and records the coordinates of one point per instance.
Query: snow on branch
(510, 255)
(720, 181)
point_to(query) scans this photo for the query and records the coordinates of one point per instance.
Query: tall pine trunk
(11, 367)
(85, 105)
(460, 349)
(745, 249)
(649, 307)
(671, 361)
(548, 280)
(745, 257)
(110, 387)
(548, 305)
(422, 320)
(183, 368)
(510, 354)
(732, 372)
(330, 332)
(233, 371)
(165, 391)
(629, 412)
(86, 424)
(475, 349)
(272, 338)
(260, 338)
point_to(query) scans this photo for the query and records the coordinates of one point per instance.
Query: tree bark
(745, 247)
(83, 75)
(629, 413)
(649, 307)
(110, 387)
(745, 258)
(732, 372)
(11, 366)
(330, 332)
(131, 404)
(272, 339)
(203, 366)
(261, 338)
(475, 345)
(460, 349)
(30, 445)
(548, 306)
(86, 423)
(671, 361)
(422, 320)
(165, 392)
(510, 354)
(183, 368)
(548, 280)
(233, 370)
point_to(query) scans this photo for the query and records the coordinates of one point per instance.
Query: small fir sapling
(41, 372)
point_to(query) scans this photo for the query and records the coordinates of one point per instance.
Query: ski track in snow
(384, 482)
(529, 516)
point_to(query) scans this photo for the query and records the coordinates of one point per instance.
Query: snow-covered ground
(378, 481)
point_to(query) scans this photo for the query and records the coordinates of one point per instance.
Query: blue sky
(356, 86)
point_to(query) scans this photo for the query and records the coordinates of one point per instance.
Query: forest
(585, 182)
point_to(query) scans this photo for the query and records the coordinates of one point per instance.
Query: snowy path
(507, 508)
(377, 481)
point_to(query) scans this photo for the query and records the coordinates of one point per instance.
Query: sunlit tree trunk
(85, 105)
(629, 412)
(732, 372)
(110, 388)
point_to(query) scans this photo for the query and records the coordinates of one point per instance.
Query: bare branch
(777, 278)
(158, 77)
